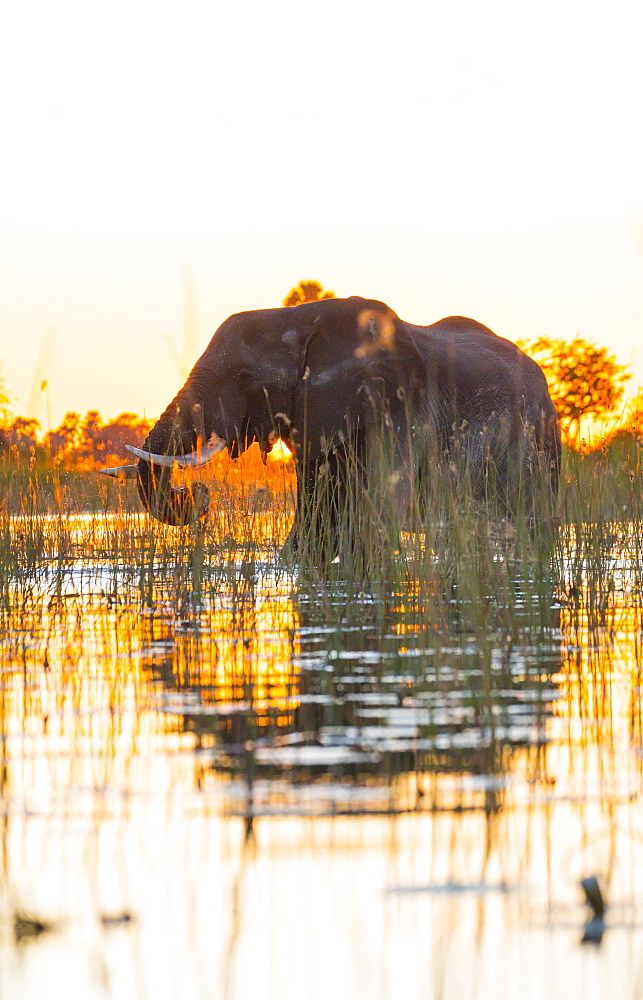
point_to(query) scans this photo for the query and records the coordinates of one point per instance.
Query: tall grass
(448, 551)
(451, 581)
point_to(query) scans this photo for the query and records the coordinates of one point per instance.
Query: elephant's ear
(405, 366)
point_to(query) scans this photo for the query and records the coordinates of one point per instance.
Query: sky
(166, 164)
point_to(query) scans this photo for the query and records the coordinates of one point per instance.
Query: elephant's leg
(321, 504)
(301, 526)
(328, 492)
(390, 479)
(401, 481)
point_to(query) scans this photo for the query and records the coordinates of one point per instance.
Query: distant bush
(78, 443)
(307, 291)
(584, 380)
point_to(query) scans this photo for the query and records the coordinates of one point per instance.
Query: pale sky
(464, 157)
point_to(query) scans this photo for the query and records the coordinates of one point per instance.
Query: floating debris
(116, 919)
(595, 927)
(26, 927)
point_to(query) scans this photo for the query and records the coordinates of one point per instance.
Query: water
(224, 782)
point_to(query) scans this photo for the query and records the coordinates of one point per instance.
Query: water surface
(221, 780)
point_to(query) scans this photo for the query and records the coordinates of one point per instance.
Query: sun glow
(280, 452)
(486, 166)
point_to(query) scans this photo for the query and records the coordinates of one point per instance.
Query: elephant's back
(475, 373)
(468, 338)
(470, 352)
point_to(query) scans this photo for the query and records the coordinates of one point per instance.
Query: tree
(306, 291)
(584, 380)
(106, 443)
(20, 437)
(60, 444)
(87, 443)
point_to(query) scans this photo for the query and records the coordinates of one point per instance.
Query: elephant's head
(162, 450)
(240, 390)
(306, 375)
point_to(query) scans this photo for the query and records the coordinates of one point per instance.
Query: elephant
(336, 377)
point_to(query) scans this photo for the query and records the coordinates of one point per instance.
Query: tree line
(79, 442)
(585, 381)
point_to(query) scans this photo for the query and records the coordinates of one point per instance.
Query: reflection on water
(217, 779)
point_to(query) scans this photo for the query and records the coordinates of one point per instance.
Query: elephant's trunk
(173, 439)
(177, 507)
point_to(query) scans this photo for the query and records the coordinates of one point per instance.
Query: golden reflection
(92, 681)
(242, 651)
(598, 735)
(154, 682)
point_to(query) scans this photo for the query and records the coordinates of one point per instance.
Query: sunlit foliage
(20, 437)
(307, 291)
(79, 442)
(584, 380)
(88, 442)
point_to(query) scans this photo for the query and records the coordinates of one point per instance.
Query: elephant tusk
(190, 461)
(147, 456)
(122, 472)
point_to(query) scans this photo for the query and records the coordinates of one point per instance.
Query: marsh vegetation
(199, 736)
